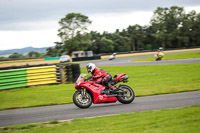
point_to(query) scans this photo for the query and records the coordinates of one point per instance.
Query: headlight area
(78, 83)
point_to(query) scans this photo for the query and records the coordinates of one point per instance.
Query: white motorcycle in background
(112, 57)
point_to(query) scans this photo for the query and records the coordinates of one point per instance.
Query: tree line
(29, 55)
(169, 28)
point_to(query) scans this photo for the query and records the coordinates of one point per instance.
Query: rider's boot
(112, 88)
(105, 91)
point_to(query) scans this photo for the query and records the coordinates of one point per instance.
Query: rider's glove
(91, 77)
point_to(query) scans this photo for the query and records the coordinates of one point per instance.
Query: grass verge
(172, 57)
(145, 80)
(179, 120)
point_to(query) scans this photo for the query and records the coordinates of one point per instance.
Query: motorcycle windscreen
(80, 76)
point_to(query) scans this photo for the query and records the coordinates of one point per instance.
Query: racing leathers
(100, 76)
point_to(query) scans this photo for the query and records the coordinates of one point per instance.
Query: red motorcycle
(89, 92)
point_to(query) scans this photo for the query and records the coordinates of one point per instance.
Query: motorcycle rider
(112, 57)
(159, 54)
(100, 76)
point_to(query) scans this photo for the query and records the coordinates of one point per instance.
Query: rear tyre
(128, 97)
(81, 102)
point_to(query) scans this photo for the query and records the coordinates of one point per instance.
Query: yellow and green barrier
(59, 73)
(27, 77)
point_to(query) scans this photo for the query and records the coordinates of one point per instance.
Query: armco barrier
(48, 74)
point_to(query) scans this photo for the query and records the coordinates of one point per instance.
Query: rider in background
(159, 54)
(100, 76)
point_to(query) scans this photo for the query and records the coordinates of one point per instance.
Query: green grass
(29, 126)
(36, 96)
(172, 57)
(145, 80)
(178, 120)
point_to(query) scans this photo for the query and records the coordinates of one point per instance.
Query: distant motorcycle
(159, 55)
(89, 92)
(112, 57)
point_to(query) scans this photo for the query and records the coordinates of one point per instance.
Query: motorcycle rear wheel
(128, 97)
(81, 102)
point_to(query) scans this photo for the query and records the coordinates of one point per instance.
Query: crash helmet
(161, 49)
(90, 67)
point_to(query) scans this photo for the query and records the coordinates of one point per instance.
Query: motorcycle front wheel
(80, 101)
(128, 96)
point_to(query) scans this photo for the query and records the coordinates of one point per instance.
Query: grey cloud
(13, 12)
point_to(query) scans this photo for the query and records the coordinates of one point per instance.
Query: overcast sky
(25, 23)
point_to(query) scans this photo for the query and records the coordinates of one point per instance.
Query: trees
(33, 54)
(174, 28)
(169, 24)
(79, 42)
(169, 28)
(120, 43)
(137, 36)
(96, 42)
(106, 45)
(72, 32)
(17, 56)
(59, 49)
(73, 24)
(193, 28)
(73, 35)
(51, 52)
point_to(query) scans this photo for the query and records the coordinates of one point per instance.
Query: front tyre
(80, 101)
(128, 96)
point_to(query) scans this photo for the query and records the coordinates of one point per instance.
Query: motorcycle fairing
(118, 77)
(96, 91)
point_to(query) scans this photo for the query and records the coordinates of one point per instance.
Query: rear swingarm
(118, 92)
(114, 95)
